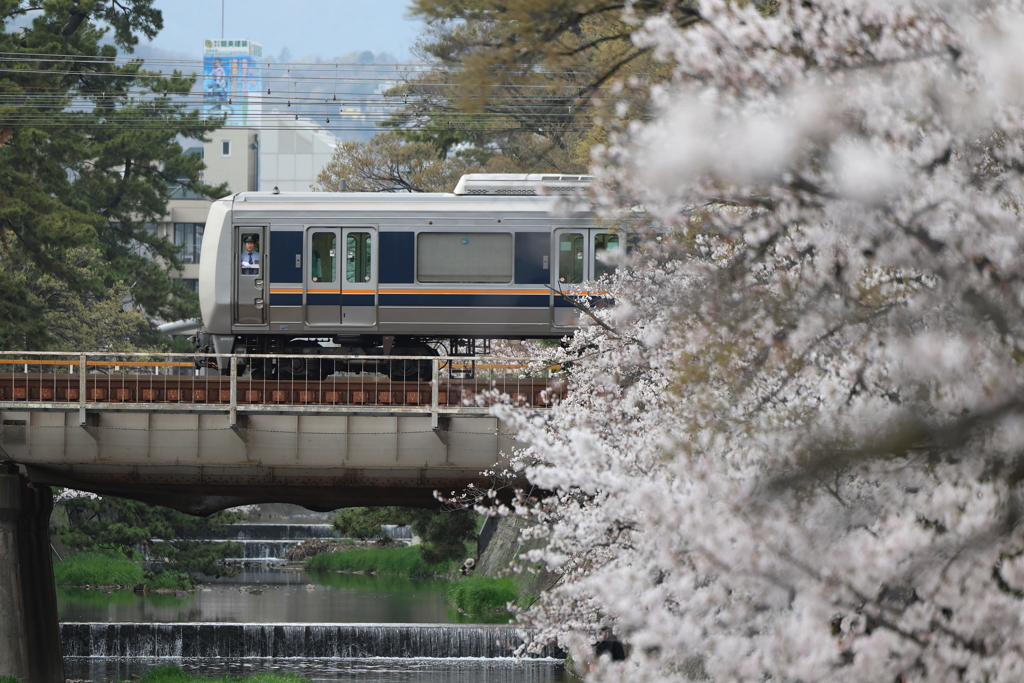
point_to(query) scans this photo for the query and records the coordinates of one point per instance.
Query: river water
(275, 595)
(366, 628)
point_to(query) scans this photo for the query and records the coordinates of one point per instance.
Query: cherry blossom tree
(795, 447)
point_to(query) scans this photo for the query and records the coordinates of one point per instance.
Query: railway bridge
(164, 429)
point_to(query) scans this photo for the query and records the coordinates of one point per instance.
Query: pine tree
(88, 152)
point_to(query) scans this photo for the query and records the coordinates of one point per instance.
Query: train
(384, 274)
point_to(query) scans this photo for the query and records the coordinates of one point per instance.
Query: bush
(97, 569)
(444, 533)
(404, 561)
(481, 594)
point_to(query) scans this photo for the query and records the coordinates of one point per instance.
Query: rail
(292, 383)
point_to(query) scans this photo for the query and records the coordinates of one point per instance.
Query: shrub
(481, 594)
(97, 569)
(404, 561)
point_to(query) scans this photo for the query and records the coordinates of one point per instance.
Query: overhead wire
(545, 104)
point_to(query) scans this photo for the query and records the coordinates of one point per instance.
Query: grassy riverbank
(472, 595)
(100, 569)
(172, 674)
(400, 561)
(483, 594)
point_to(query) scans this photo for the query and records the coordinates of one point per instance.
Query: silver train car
(325, 274)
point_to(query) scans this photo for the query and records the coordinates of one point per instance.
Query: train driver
(250, 257)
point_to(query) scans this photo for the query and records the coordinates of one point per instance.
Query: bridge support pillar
(29, 633)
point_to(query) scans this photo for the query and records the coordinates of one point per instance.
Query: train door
(578, 259)
(359, 278)
(323, 289)
(580, 255)
(250, 275)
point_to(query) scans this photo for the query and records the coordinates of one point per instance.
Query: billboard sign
(232, 81)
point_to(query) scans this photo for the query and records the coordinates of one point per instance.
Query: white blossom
(793, 451)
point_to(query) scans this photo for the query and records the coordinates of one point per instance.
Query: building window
(225, 148)
(189, 238)
(191, 283)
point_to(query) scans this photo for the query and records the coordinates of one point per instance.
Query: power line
(199, 65)
(292, 90)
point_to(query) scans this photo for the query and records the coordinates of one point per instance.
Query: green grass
(403, 561)
(100, 569)
(96, 569)
(482, 594)
(172, 674)
(380, 583)
(8, 679)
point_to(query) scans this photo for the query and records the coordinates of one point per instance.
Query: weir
(277, 532)
(271, 543)
(342, 641)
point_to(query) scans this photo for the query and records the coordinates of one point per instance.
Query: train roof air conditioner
(521, 184)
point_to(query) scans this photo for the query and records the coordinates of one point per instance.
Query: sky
(307, 28)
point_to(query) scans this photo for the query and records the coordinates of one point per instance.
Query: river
(336, 627)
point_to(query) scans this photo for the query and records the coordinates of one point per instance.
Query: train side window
(464, 257)
(604, 242)
(322, 263)
(358, 257)
(570, 258)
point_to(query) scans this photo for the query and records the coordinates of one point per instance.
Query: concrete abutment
(30, 647)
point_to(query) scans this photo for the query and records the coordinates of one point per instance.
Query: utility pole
(222, 19)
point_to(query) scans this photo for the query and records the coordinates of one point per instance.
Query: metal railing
(300, 383)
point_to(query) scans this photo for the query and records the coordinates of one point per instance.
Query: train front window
(323, 259)
(358, 254)
(603, 243)
(570, 258)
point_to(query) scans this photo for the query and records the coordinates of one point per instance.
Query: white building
(287, 156)
(232, 156)
(292, 153)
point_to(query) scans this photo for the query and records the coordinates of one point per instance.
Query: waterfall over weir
(278, 532)
(298, 532)
(270, 543)
(343, 641)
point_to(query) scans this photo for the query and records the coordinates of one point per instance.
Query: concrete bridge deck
(130, 426)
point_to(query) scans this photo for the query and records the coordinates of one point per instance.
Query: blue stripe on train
(468, 300)
(335, 299)
(565, 301)
(357, 300)
(314, 299)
